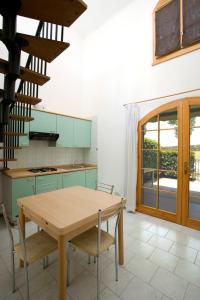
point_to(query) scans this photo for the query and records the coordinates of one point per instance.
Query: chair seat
(87, 241)
(38, 246)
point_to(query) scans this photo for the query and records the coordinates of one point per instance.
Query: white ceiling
(98, 12)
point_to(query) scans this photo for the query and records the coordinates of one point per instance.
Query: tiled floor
(162, 261)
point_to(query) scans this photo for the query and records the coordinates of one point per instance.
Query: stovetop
(42, 170)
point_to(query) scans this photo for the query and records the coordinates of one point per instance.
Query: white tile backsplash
(40, 154)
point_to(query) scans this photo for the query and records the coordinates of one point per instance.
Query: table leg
(22, 224)
(121, 240)
(62, 264)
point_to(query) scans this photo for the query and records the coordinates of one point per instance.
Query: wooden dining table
(64, 214)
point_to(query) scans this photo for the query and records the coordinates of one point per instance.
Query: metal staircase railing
(15, 106)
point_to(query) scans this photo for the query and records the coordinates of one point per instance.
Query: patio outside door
(169, 163)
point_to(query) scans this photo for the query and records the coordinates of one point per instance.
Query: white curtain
(132, 118)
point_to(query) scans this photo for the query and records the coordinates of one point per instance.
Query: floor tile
(141, 234)
(194, 243)
(84, 287)
(164, 259)
(92, 267)
(192, 293)
(160, 242)
(14, 296)
(139, 290)
(178, 237)
(141, 248)
(189, 271)
(171, 226)
(108, 278)
(108, 295)
(158, 230)
(142, 268)
(5, 285)
(184, 252)
(37, 283)
(169, 284)
(197, 261)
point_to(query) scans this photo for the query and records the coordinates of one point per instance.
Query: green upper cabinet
(91, 179)
(24, 140)
(21, 188)
(48, 183)
(74, 178)
(65, 128)
(82, 133)
(43, 122)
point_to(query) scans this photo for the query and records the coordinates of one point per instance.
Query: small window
(176, 28)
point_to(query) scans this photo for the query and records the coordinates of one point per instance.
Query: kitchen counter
(23, 173)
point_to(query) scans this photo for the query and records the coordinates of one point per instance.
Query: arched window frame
(184, 49)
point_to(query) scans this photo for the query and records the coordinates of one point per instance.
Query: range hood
(43, 136)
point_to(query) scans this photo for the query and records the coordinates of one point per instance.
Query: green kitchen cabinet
(48, 183)
(74, 178)
(82, 133)
(43, 122)
(91, 179)
(65, 128)
(24, 140)
(21, 188)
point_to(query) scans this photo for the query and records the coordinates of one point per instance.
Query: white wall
(118, 69)
(113, 66)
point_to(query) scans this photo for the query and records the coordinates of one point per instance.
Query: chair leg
(116, 261)
(89, 259)
(94, 259)
(98, 279)
(27, 281)
(107, 226)
(44, 262)
(47, 261)
(69, 263)
(13, 270)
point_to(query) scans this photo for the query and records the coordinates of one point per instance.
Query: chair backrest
(7, 224)
(104, 187)
(105, 215)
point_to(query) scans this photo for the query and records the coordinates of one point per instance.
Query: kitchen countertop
(22, 173)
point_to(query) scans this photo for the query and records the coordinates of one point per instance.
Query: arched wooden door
(169, 162)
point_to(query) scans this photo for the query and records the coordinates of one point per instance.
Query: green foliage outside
(168, 159)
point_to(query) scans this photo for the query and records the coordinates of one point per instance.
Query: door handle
(186, 168)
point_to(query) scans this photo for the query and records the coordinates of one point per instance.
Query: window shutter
(167, 21)
(191, 22)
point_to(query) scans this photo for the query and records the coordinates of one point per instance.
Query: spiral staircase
(43, 48)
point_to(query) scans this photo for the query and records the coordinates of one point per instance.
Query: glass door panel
(159, 163)
(169, 162)
(169, 119)
(167, 201)
(194, 166)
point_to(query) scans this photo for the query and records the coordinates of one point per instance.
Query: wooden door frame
(186, 158)
(179, 217)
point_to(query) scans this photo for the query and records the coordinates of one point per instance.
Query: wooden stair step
(45, 49)
(14, 133)
(27, 99)
(8, 159)
(25, 74)
(21, 118)
(53, 11)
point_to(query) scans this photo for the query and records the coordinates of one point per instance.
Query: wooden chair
(96, 241)
(35, 247)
